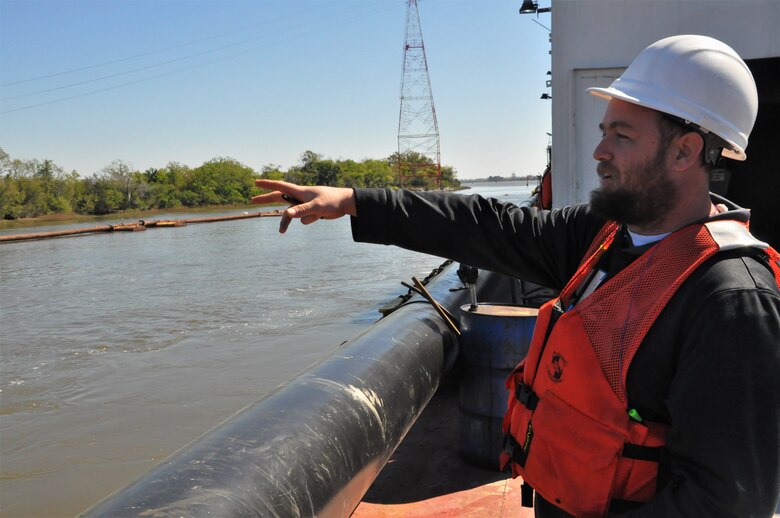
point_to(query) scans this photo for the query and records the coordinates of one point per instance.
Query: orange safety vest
(569, 431)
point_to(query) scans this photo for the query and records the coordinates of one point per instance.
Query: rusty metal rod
(422, 294)
(436, 306)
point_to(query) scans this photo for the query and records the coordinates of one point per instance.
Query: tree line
(31, 188)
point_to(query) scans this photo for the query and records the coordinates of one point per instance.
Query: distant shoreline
(136, 214)
(533, 180)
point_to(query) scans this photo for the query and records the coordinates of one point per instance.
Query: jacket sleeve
(541, 246)
(724, 407)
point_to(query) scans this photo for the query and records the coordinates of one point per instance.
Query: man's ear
(688, 149)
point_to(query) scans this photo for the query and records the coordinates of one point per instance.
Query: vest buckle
(526, 396)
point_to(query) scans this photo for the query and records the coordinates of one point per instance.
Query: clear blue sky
(149, 82)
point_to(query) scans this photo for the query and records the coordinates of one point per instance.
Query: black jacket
(709, 367)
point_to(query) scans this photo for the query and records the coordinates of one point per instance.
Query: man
(664, 343)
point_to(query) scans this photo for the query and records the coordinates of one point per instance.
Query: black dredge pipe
(313, 446)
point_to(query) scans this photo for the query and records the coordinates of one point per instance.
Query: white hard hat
(695, 78)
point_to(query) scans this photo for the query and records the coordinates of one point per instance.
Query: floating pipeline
(133, 227)
(314, 445)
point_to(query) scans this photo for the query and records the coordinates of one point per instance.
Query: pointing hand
(310, 203)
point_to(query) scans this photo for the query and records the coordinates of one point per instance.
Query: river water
(118, 349)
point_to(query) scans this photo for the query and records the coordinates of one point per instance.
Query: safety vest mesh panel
(649, 289)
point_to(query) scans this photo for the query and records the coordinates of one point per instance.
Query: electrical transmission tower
(418, 131)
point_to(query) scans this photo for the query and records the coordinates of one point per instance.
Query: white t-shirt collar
(641, 240)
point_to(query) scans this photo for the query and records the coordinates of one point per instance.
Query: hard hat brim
(608, 93)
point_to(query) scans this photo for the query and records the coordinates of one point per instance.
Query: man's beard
(637, 207)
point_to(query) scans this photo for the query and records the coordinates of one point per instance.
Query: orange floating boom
(133, 227)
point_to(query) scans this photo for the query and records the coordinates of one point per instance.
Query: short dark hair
(671, 127)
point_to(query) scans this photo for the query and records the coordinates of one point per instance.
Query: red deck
(426, 477)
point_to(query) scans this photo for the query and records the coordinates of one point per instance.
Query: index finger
(277, 185)
(279, 190)
(270, 197)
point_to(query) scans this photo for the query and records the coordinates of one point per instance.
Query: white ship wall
(594, 40)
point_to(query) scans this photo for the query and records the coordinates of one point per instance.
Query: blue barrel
(494, 338)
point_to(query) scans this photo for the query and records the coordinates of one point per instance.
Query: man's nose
(602, 152)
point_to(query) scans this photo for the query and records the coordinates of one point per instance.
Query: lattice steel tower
(418, 131)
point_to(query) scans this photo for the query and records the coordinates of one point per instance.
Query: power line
(179, 70)
(142, 55)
